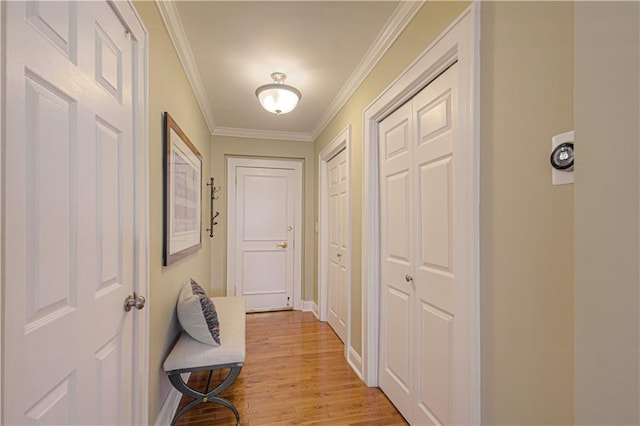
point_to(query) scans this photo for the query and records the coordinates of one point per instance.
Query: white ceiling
(326, 48)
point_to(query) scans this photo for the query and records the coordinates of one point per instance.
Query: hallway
(295, 373)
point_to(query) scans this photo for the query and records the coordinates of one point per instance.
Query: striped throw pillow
(197, 314)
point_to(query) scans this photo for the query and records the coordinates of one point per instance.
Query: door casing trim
(140, 37)
(274, 163)
(2, 206)
(460, 43)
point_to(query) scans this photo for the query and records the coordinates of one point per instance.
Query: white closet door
(337, 285)
(434, 275)
(417, 305)
(396, 375)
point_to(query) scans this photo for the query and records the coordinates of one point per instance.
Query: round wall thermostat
(562, 157)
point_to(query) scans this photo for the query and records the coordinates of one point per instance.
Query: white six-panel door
(418, 306)
(337, 283)
(264, 234)
(69, 223)
(435, 112)
(396, 371)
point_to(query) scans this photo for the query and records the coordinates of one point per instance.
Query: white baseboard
(311, 306)
(170, 405)
(355, 361)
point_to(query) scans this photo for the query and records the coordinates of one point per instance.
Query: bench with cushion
(221, 346)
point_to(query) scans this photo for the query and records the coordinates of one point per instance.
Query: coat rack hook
(213, 196)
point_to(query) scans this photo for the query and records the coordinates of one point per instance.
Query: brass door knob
(283, 244)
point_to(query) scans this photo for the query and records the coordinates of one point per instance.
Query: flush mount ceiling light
(277, 97)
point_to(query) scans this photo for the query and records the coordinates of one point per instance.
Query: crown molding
(178, 37)
(402, 15)
(262, 134)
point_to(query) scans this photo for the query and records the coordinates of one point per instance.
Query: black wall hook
(213, 215)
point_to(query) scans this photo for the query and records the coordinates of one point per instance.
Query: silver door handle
(283, 244)
(134, 301)
(408, 278)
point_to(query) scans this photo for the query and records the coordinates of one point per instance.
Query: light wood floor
(294, 373)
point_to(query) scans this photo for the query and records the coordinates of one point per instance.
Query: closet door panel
(435, 269)
(396, 375)
(435, 343)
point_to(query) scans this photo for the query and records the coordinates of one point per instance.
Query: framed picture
(182, 195)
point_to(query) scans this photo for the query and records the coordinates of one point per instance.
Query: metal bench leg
(176, 380)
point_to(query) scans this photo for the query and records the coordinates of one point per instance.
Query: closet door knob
(408, 278)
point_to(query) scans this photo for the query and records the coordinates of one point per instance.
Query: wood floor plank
(294, 373)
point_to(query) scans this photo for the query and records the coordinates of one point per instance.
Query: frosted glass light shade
(278, 98)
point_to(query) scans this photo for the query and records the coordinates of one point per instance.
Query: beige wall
(526, 237)
(526, 223)
(169, 91)
(225, 146)
(606, 213)
(430, 21)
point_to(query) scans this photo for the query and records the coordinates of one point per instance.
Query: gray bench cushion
(189, 354)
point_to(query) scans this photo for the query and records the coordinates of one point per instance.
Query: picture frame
(182, 194)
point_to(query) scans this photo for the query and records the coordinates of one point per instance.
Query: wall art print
(182, 195)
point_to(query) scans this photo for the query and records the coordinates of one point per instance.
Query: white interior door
(265, 222)
(418, 304)
(435, 114)
(396, 365)
(337, 283)
(69, 224)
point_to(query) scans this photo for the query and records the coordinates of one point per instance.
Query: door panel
(69, 224)
(260, 266)
(265, 211)
(396, 254)
(434, 189)
(417, 304)
(435, 343)
(57, 406)
(344, 238)
(434, 162)
(398, 219)
(56, 22)
(398, 318)
(50, 291)
(108, 364)
(337, 284)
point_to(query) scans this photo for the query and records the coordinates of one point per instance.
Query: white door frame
(140, 367)
(2, 206)
(460, 43)
(340, 142)
(140, 37)
(273, 163)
